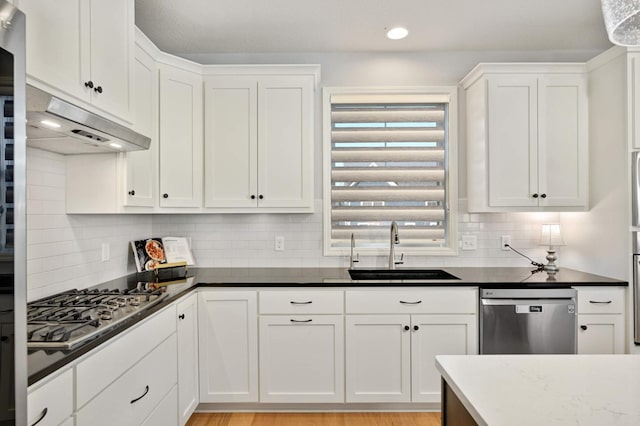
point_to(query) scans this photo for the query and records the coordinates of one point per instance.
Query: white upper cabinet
(259, 138)
(180, 137)
(83, 51)
(141, 170)
(527, 144)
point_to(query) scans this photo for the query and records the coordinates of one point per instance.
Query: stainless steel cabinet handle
(295, 320)
(604, 302)
(146, 391)
(42, 416)
(411, 303)
(308, 302)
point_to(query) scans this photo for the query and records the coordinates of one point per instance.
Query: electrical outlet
(279, 243)
(469, 242)
(504, 241)
(106, 252)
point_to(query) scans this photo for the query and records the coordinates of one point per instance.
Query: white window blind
(388, 163)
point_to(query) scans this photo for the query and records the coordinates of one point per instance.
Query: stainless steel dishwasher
(528, 321)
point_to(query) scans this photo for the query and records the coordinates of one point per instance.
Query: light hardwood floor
(315, 419)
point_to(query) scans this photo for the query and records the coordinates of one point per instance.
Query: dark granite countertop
(41, 363)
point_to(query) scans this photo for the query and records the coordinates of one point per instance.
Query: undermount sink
(400, 274)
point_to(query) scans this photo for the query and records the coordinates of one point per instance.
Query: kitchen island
(507, 390)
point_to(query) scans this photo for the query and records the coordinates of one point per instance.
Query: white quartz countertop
(546, 390)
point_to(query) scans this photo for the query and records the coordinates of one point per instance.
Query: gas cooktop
(67, 319)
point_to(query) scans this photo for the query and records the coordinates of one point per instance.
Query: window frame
(444, 94)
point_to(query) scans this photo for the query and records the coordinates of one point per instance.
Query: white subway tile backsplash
(64, 251)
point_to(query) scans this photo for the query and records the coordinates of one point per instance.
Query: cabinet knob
(88, 84)
(98, 89)
(261, 196)
(416, 328)
(583, 327)
(406, 328)
(253, 197)
(181, 316)
(543, 196)
(535, 195)
(132, 193)
(165, 195)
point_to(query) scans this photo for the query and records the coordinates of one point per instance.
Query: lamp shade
(551, 236)
(622, 19)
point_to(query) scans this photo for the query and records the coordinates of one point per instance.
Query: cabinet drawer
(301, 302)
(601, 300)
(109, 362)
(132, 398)
(460, 300)
(52, 402)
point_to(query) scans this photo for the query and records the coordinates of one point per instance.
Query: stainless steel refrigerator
(13, 333)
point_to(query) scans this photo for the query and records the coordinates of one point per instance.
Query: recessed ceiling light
(397, 33)
(50, 123)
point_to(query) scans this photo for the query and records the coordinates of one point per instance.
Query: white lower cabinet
(228, 346)
(378, 358)
(187, 330)
(601, 320)
(165, 412)
(51, 403)
(393, 336)
(132, 397)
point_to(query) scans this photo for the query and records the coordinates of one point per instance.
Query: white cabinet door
(378, 358)
(513, 137)
(562, 141)
(82, 50)
(112, 51)
(180, 138)
(600, 334)
(285, 136)
(141, 171)
(302, 358)
(187, 327)
(56, 44)
(231, 141)
(228, 346)
(433, 335)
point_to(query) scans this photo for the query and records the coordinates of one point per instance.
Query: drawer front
(133, 397)
(115, 357)
(166, 413)
(52, 402)
(459, 300)
(601, 300)
(301, 302)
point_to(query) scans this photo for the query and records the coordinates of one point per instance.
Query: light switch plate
(469, 242)
(279, 243)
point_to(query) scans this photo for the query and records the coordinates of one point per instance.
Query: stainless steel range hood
(59, 126)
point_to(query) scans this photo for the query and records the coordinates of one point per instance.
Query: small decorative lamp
(551, 236)
(622, 19)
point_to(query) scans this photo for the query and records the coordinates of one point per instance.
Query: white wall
(64, 250)
(601, 236)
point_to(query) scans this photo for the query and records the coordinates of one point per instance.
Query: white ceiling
(278, 26)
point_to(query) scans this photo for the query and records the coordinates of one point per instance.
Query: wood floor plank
(315, 419)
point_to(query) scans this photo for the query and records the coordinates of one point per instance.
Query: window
(389, 155)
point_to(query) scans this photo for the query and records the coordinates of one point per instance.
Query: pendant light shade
(622, 19)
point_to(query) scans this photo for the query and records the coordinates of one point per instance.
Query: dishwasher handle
(515, 302)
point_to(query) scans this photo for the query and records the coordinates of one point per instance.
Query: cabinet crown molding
(524, 68)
